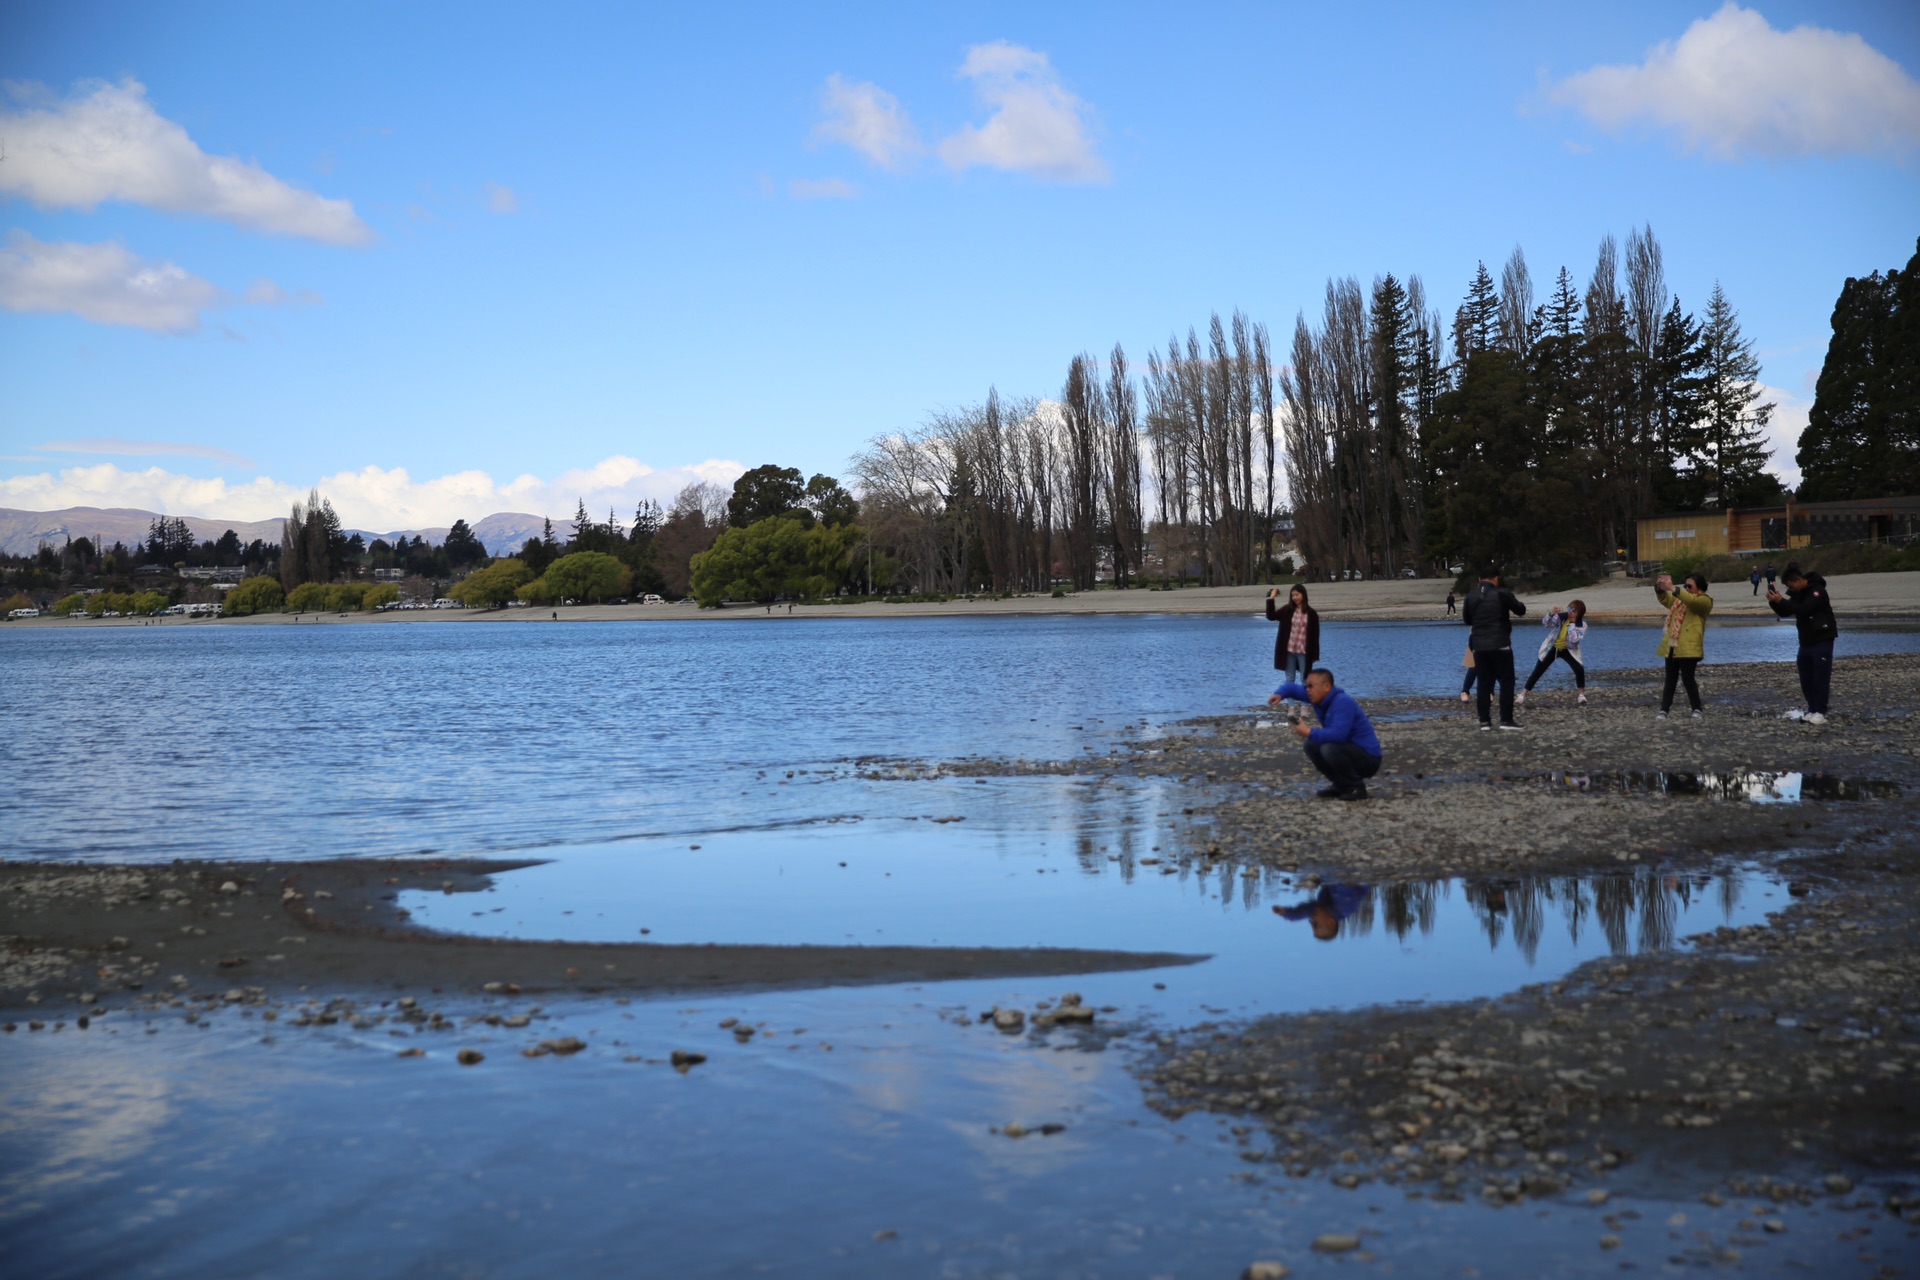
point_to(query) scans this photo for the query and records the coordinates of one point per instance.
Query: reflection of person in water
(1334, 903)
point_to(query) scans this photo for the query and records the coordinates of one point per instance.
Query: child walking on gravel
(1683, 637)
(1566, 628)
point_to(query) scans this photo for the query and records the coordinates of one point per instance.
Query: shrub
(69, 605)
(256, 595)
(308, 597)
(381, 593)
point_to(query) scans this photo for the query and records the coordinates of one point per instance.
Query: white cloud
(1732, 86)
(369, 498)
(101, 282)
(821, 189)
(867, 118)
(1783, 431)
(106, 142)
(1037, 127)
(265, 293)
(502, 199)
(144, 449)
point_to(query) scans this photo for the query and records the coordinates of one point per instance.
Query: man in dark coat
(1811, 609)
(1490, 610)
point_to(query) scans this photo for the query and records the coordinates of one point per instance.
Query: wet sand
(76, 937)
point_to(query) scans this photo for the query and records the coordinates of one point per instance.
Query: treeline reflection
(1633, 911)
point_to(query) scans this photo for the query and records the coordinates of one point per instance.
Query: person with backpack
(1811, 609)
(1297, 648)
(1566, 628)
(1683, 637)
(1489, 610)
(1754, 578)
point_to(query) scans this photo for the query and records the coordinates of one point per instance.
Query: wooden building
(1752, 530)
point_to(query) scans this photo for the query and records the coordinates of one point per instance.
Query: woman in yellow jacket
(1683, 637)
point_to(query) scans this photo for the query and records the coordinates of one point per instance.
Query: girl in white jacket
(1566, 628)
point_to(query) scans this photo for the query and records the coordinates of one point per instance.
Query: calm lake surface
(149, 1146)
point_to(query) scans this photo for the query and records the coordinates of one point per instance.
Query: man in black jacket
(1811, 609)
(1489, 610)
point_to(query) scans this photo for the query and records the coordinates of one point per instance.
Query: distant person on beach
(1327, 908)
(1754, 578)
(1566, 628)
(1297, 648)
(1811, 609)
(1344, 747)
(1450, 600)
(1683, 637)
(1770, 575)
(1490, 610)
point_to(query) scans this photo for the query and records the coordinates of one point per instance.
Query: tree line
(1526, 430)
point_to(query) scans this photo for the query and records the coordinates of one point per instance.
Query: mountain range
(21, 532)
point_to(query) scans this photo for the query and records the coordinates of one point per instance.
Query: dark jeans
(1540, 669)
(1680, 670)
(1495, 665)
(1345, 765)
(1816, 674)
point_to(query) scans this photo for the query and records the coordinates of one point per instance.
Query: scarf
(1675, 616)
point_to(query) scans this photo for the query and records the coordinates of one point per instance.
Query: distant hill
(23, 531)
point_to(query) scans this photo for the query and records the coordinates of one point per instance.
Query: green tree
(462, 547)
(381, 593)
(67, 606)
(492, 586)
(830, 503)
(1733, 421)
(777, 556)
(1862, 438)
(256, 595)
(586, 575)
(763, 493)
(308, 597)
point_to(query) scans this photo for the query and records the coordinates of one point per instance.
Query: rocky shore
(1759, 1069)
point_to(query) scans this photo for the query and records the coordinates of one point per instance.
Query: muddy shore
(81, 938)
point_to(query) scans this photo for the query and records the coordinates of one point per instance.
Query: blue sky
(450, 260)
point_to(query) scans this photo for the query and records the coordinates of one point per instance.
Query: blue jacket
(1341, 719)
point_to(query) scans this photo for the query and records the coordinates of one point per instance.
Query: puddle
(899, 884)
(1752, 785)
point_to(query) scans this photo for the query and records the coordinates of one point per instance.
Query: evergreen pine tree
(1862, 438)
(1733, 421)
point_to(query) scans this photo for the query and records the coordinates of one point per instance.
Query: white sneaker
(1583, 699)
(1699, 715)
(1814, 717)
(1520, 698)
(1795, 714)
(1659, 715)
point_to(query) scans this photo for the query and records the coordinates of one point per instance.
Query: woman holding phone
(1683, 637)
(1297, 648)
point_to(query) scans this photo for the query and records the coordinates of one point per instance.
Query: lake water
(148, 1146)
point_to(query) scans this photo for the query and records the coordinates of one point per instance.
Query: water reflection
(1757, 786)
(1635, 911)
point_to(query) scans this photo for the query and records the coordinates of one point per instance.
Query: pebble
(564, 1045)
(1596, 1197)
(1839, 1184)
(682, 1060)
(1609, 1242)
(412, 1053)
(1009, 1020)
(1335, 1242)
(1266, 1270)
(1773, 1225)
(228, 886)
(470, 1056)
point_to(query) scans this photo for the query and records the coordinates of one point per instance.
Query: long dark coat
(1284, 616)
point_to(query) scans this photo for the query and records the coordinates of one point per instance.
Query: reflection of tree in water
(1636, 910)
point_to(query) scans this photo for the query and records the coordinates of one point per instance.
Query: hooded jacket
(1486, 611)
(1811, 609)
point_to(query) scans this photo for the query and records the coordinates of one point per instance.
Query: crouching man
(1344, 746)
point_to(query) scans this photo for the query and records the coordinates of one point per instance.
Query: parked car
(650, 598)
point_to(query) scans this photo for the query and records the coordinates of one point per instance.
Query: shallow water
(277, 742)
(235, 1147)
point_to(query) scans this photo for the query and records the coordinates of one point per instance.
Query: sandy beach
(1860, 596)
